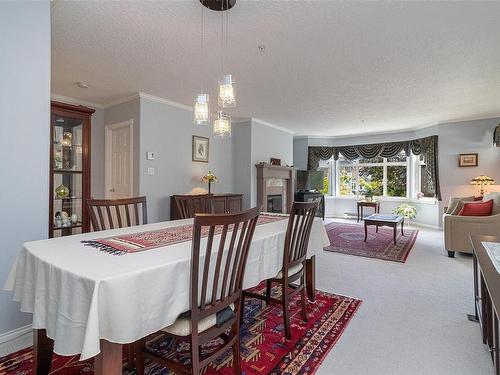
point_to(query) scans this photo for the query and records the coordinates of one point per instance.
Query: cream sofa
(457, 229)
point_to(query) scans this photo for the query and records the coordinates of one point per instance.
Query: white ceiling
(329, 68)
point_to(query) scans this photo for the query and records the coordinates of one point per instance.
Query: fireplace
(274, 203)
(275, 187)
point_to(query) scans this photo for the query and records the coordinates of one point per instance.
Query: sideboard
(222, 203)
(487, 297)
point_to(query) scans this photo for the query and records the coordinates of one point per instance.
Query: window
(382, 176)
(424, 184)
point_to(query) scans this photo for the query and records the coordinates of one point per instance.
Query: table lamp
(482, 181)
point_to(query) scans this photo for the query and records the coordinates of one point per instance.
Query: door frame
(107, 154)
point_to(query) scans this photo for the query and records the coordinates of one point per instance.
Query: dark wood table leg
(376, 230)
(395, 230)
(110, 360)
(311, 277)
(402, 223)
(358, 213)
(42, 352)
(366, 231)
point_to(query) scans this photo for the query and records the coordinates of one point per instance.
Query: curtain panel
(428, 147)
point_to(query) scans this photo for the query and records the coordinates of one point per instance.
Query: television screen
(310, 180)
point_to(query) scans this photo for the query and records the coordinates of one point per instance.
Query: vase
(62, 191)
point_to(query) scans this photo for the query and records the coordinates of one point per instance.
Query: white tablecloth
(81, 295)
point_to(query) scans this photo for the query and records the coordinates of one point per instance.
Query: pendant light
(227, 95)
(222, 125)
(201, 108)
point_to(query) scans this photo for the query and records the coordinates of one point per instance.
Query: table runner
(135, 242)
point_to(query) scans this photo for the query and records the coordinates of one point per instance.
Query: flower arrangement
(404, 209)
(369, 187)
(209, 178)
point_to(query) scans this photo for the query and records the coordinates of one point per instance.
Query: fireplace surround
(275, 184)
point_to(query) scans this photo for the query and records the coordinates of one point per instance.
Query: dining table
(90, 302)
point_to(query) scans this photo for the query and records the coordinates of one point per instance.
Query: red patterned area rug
(263, 347)
(349, 239)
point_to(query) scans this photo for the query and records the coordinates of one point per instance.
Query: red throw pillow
(477, 209)
(478, 199)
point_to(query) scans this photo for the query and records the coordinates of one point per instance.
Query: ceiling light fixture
(227, 97)
(201, 110)
(222, 125)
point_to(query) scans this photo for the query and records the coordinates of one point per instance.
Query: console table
(361, 204)
(223, 203)
(486, 296)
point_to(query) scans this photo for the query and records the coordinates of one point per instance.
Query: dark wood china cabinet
(69, 169)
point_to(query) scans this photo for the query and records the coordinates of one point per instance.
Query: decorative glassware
(62, 191)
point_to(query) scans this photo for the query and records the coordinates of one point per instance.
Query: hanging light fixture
(227, 95)
(201, 108)
(222, 125)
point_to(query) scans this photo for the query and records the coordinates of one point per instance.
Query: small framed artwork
(200, 149)
(275, 161)
(468, 160)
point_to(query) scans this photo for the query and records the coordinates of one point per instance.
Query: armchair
(457, 229)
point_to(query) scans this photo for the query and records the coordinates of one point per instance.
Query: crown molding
(143, 95)
(69, 100)
(265, 123)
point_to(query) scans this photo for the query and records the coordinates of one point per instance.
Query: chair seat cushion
(291, 271)
(182, 326)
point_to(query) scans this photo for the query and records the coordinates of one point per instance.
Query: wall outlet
(150, 155)
(151, 171)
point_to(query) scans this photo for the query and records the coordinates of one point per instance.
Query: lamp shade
(222, 125)
(201, 110)
(482, 181)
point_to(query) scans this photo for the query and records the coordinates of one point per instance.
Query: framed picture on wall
(200, 149)
(468, 160)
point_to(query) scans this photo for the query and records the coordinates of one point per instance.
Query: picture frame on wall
(468, 160)
(201, 149)
(275, 161)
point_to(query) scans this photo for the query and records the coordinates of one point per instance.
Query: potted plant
(404, 209)
(369, 188)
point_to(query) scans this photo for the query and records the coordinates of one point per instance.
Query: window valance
(428, 147)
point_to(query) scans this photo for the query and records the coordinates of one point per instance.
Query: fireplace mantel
(284, 180)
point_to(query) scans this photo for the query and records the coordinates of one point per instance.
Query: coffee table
(379, 220)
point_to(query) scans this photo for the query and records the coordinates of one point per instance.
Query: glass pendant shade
(227, 97)
(222, 125)
(201, 110)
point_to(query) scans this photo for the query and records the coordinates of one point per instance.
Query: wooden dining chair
(215, 297)
(189, 205)
(294, 255)
(117, 213)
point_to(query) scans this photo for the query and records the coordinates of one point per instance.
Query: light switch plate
(151, 171)
(150, 155)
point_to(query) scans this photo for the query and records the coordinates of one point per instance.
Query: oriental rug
(349, 239)
(263, 346)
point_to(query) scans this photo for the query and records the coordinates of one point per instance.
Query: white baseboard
(14, 334)
(15, 340)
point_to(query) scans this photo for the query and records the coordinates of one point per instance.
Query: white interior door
(119, 159)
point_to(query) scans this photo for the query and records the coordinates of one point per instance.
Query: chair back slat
(298, 232)
(190, 205)
(107, 213)
(223, 256)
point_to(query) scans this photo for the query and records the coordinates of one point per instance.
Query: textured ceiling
(329, 68)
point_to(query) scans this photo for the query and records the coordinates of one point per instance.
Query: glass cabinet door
(67, 172)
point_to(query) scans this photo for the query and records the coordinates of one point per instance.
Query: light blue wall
(242, 168)
(167, 131)
(97, 154)
(267, 143)
(24, 137)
